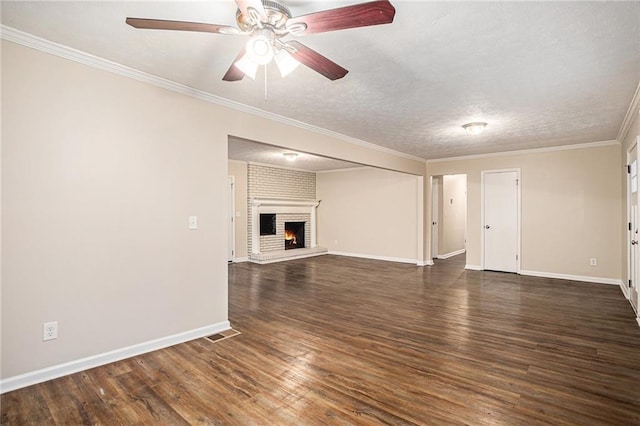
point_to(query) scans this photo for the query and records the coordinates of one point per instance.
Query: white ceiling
(540, 73)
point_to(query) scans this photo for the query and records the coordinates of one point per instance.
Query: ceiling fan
(267, 22)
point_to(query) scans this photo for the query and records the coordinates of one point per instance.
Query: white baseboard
(374, 257)
(598, 280)
(473, 267)
(625, 290)
(240, 259)
(453, 253)
(53, 372)
(428, 262)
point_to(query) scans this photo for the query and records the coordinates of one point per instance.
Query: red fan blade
(359, 15)
(234, 73)
(316, 61)
(244, 6)
(160, 24)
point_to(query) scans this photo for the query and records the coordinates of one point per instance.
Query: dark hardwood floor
(336, 340)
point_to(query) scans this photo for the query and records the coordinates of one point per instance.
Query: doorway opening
(449, 217)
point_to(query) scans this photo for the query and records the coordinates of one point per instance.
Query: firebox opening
(293, 235)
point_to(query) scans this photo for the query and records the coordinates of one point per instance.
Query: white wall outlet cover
(193, 222)
(49, 331)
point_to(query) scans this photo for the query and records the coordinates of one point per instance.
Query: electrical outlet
(193, 222)
(49, 331)
(593, 261)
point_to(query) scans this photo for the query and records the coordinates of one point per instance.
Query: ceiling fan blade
(316, 61)
(244, 6)
(359, 15)
(234, 73)
(160, 24)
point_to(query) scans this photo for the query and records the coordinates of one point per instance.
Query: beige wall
(570, 208)
(454, 214)
(238, 169)
(368, 212)
(99, 175)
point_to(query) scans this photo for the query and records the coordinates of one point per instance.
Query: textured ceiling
(540, 73)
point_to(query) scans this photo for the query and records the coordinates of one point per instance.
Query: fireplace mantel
(280, 205)
(290, 202)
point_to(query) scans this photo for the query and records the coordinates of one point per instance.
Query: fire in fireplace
(293, 235)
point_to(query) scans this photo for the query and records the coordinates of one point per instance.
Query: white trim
(232, 210)
(349, 169)
(374, 257)
(638, 320)
(434, 217)
(473, 267)
(241, 259)
(453, 253)
(29, 40)
(55, 371)
(526, 151)
(428, 262)
(583, 278)
(634, 108)
(519, 214)
(420, 214)
(625, 290)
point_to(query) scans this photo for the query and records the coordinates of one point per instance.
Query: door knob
(487, 227)
(634, 242)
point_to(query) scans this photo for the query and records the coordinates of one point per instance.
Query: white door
(231, 221)
(501, 220)
(434, 217)
(633, 226)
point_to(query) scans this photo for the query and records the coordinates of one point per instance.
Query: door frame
(231, 209)
(518, 213)
(626, 289)
(435, 217)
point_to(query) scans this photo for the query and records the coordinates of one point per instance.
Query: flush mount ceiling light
(475, 128)
(290, 156)
(268, 22)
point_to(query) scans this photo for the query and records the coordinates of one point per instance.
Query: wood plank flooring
(336, 340)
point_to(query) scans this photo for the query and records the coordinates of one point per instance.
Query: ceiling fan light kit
(475, 128)
(267, 22)
(290, 156)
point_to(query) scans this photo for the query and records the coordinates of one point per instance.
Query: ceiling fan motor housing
(277, 16)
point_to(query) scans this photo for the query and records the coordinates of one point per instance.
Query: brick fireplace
(273, 247)
(280, 195)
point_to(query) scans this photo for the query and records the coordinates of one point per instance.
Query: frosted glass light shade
(260, 50)
(285, 62)
(247, 66)
(475, 128)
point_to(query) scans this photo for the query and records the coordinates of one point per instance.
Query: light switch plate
(193, 222)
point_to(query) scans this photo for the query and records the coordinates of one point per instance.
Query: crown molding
(527, 151)
(43, 45)
(632, 113)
